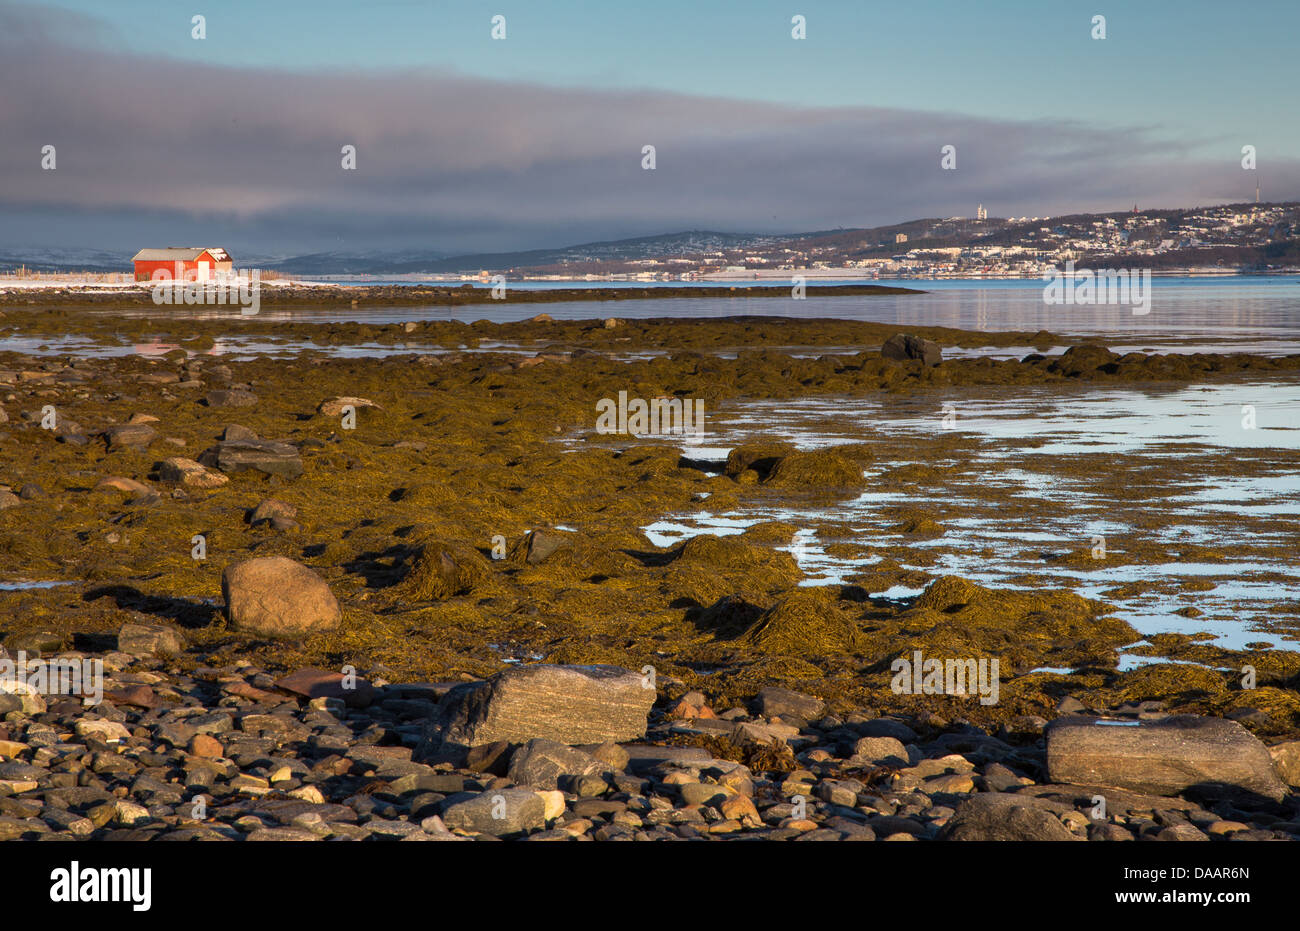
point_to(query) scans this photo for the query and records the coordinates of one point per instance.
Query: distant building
(981, 213)
(900, 237)
(205, 264)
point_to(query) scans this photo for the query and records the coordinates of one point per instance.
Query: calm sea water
(1208, 309)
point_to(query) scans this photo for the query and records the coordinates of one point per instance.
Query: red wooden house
(181, 264)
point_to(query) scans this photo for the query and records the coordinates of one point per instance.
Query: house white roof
(176, 254)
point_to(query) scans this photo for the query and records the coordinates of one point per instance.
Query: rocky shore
(558, 753)
(344, 597)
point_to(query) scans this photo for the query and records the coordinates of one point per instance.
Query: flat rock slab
(145, 639)
(267, 456)
(1163, 757)
(568, 704)
(311, 682)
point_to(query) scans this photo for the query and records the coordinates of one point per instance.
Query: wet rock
(568, 704)
(187, 472)
(905, 347)
(997, 816)
(1164, 757)
(1084, 359)
(149, 639)
(273, 596)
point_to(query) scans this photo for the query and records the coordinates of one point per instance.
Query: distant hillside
(1276, 244)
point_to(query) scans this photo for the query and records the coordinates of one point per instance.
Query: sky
(467, 143)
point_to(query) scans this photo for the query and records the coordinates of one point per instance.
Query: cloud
(462, 164)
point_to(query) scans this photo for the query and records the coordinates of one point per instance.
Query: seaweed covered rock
(540, 544)
(905, 347)
(443, 571)
(707, 567)
(808, 621)
(1084, 359)
(273, 596)
(757, 457)
(955, 617)
(821, 468)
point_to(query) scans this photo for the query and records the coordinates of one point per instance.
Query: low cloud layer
(154, 149)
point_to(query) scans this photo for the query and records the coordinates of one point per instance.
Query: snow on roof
(178, 254)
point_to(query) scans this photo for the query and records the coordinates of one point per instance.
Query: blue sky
(471, 144)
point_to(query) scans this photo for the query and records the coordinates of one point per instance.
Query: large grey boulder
(273, 596)
(567, 704)
(1163, 757)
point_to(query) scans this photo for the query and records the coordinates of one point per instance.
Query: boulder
(544, 764)
(499, 813)
(1083, 359)
(568, 704)
(1162, 757)
(906, 347)
(273, 596)
(1001, 816)
(136, 436)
